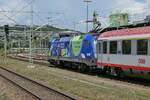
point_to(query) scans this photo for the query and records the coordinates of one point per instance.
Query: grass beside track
(86, 86)
(3, 96)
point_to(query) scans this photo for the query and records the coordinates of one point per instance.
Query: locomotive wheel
(107, 70)
(80, 67)
(104, 70)
(83, 68)
(119, 72)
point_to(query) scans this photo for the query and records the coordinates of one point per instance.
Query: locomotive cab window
(113, 47)
(142, 47)
(126, 47)
(105, 47)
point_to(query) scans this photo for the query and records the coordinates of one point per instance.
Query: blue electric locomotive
(78, 50)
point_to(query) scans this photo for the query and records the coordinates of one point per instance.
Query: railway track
(34, 88)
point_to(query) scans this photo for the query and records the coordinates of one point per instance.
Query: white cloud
(137, 9)
(131, 6)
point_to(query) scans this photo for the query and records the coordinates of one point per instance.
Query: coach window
(113, 47)
(142, 47)
(126, 47)
(105, 47)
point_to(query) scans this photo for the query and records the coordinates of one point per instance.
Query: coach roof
(129, 32)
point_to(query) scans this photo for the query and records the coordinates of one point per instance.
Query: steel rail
(20, 87)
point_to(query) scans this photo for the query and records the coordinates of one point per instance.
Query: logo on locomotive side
(141, 61)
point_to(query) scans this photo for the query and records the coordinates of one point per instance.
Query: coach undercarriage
(120, 72)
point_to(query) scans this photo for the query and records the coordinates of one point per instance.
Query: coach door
(99, 52)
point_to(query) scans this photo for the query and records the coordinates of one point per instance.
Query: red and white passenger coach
(125, 52)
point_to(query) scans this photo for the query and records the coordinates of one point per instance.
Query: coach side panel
(133, 61)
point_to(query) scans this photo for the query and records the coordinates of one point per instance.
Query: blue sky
(63, 13)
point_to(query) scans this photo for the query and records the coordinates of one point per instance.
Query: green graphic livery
(77, 44)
